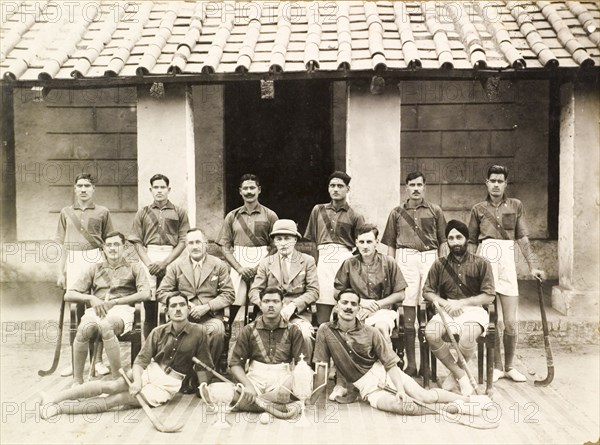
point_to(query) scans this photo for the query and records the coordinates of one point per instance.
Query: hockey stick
(157, 423)
(61, 319)
(461, 359)
(446, 414)
(549, 359)
(263, 404)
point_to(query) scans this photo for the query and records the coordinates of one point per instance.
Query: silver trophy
(219, 397)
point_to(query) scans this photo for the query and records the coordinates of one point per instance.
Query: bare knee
(433, 333)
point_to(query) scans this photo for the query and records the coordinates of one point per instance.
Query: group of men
(426, 258)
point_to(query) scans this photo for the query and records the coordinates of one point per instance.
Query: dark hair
(250, 177)
(176, 295)
(347, 290)
(86, 176)
(340, 175)
(158, 177)
(366, 228)
(414, 175)
(115, 233)
(271, 290)
(498, 170)
(196, 229)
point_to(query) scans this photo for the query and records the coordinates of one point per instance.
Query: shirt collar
(168, 205)
(329, 205)
(260, 324)
(258, 209)
(121, 263)
(92, 205)
(186, 328)
(200, 263)
(465, 259)
(489, 200)
(407, 204)
(375, 261)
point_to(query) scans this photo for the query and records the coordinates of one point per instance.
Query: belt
(172, 373)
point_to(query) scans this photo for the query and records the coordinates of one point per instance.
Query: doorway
(286, 141)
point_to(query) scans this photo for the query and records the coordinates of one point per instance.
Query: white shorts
(501, 255)
(470, 314)
(78, 262)
(156, 253)
(368, 384)
(247, 256)
(331, 257)
(122, 311)
(270, 380)
(383, 316)
(157, 386)
(414, 266)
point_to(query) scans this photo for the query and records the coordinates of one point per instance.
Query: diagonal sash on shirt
(161, 232)
(359, 359)
(326, 219)
(247, 231)
(418, 231)
(261, 345)
(497, 226)
(466, 290)
(84, 232)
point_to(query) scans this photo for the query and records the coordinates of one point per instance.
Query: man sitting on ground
(156, 374)
(270, 344)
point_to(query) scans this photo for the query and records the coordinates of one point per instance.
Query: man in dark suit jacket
(204, 280)
(295, 273)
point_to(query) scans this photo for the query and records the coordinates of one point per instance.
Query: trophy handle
(240, 389)
(203, 386)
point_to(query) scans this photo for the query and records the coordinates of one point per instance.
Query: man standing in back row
(159, 231)
(414, 234)
(244, 237)
(332, 227)
(495, 224)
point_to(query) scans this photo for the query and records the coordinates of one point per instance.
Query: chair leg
(425, 369)
(136, 346)
(480, 352)
(433, 368)
(489, 365)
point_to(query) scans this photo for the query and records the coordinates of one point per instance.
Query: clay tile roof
(42, 40)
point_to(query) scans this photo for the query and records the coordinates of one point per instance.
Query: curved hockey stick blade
(61, 319)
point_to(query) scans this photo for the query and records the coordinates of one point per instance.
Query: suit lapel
(188, 271)
(297, 265)
(275, 269)
(207, 268)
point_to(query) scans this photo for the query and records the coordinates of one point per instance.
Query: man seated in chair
(462, 283)
(376, 278)
(204, 280)
(295, 273)
(110, 288)
(156, 374)
(364, 358)
(270, 344)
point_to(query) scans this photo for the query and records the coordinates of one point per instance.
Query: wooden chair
(398, 336)
(134, 336)
(485, 346)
